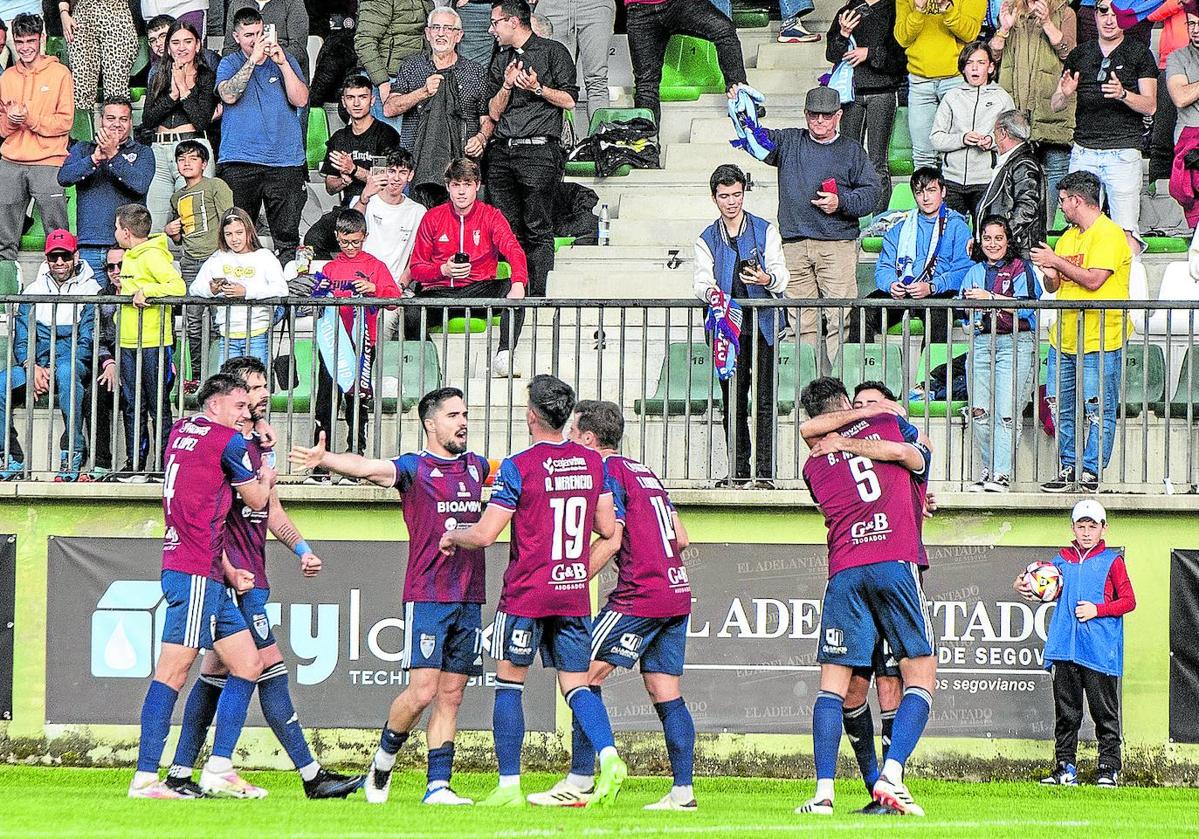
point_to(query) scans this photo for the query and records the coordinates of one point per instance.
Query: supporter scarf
(743, 111)
(841, 77)
(724, 322)
(347, 365)
(905, 252)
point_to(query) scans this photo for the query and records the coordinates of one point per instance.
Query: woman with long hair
(241, 269)
(180, 105)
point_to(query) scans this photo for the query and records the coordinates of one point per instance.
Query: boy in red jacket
(458, 245)
(352, 273)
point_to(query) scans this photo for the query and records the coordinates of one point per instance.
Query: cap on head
(61, 240)
(1089, 509)
(822, 100)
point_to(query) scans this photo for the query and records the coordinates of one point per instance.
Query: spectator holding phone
(353, 149)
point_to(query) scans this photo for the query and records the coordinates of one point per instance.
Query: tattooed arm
(284, 529)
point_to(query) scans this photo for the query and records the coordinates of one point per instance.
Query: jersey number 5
(862, 469)
(570, 537)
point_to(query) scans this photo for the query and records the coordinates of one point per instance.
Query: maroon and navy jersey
(441, 495)
(651, 581)
(553, 490)
(204, 460)
(872, 509)
(245, 545)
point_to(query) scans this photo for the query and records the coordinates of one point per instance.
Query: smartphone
(268, 32)
(829, 185)
(378, 164)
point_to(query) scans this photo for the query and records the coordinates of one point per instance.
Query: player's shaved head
(552, 400)
(823, 395)
(603, 419)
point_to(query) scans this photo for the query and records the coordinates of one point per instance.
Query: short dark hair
(432, 400)
(400, 158)
(160, 22)
(24, 25)
(821, 394)
(1082, 185)
(463, 169)
(3, 25)
(218, 384)
(519, 9)
(135, 218)
(123, 101)
(552, 400)
(887, 393)
(924, 176)
(356, 81)
(243, 365)
(977, 252)
(350, 221)
(603, 419)
(246, 17)
(970, 49)
(726, 174)
(192, 147)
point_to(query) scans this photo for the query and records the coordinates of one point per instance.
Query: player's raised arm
(817, 427)
(913, 457)
(379, 472)
(284, 529)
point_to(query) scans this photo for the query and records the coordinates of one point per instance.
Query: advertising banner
(1184, 656)
(8, 609)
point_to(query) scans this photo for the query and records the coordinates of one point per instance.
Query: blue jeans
(1100, 421)
(68, 373)
(377, 112)
(1055, 161)
(150, 408)
(257, 346)
(793, 8)
(725, 7)
(924, 95)
(96, 256)
(1119, 170)
(1009, 386)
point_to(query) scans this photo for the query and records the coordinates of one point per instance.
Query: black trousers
(1070, 683)
(435, 316)
(280, 188)
(870, 322)
(99, 399)
(356, 410)
(868, 120)
(521, 183)
(763, 354)
(964, 198)
(1161, 148)
(650, 28)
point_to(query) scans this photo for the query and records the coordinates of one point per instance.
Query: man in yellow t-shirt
(1091, 262)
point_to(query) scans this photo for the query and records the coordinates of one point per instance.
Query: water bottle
(605, 226)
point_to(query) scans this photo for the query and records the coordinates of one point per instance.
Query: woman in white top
(241, 269)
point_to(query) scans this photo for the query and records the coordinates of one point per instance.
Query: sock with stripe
(589, 710)
(156, 725)
(826, 739)
(231, 715)
(910, 719)
(582, 753)
(441, 765)
(859, 727)
(390, 742)
(887, 723)
(508, 727)
(197, 717)
(280, 713)
(679, 729)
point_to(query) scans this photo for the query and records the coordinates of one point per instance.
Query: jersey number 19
(570, 537)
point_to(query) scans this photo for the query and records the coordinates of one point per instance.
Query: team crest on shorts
(427, 644)
(261, 626)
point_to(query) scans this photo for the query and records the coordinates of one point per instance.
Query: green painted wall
(1148, 537)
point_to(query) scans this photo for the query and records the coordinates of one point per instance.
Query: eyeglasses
(350, 243)
(815, 117)
(59, 256)
(112, 266)
(1104, 66)
(496, 21)
(443, 27)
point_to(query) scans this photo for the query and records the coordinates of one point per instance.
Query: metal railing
(649, 356)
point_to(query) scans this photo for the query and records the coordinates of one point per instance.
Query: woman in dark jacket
(879, 69)
(180, 105)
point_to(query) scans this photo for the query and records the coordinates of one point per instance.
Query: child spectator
(1084, 647)
(146, 340)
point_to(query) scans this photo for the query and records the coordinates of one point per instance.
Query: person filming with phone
(740, 257)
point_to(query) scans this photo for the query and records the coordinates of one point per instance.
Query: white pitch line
(814, 668)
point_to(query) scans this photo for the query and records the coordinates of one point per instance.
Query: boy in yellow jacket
(146, 341)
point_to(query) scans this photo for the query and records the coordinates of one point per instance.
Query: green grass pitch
(58, 802)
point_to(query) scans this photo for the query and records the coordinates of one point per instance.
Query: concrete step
(706, 156)
(641, 283)
(788, 81)
(801, 57)
(709, 129)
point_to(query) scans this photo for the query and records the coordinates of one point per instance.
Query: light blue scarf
(743, 111)
(906, 249)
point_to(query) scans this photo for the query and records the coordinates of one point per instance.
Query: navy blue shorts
(253, 608)
(199, 611)
(869, 603)
(564, 642)
(660, 644)
(444, 636)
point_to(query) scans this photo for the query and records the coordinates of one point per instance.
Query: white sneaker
(503, 367)
(154, 789)
(377, 785)
(977, 486)
(667, 802)
(816, 807)
(446, 796)
(896, 796)
(562, 794)
(229, 785)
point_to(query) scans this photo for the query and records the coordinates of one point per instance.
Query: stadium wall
(1150, 535)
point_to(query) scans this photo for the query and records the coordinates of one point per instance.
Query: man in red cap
(45, 333)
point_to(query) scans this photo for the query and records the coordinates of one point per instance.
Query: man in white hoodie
(52, 333)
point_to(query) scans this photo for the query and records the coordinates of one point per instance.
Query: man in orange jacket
(36, 112)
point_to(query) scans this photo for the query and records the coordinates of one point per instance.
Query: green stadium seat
(142, 60)
(56, 45)
(318, 136)
(82, 129)
(462, 325)
(586, 168)
(1059, 221)
(1186, 392)
(899, 150)
(689, 70)
(416, 367)
(563, 243)
(685, 382)
(932, 358)
(865, 272)
(1144, 377)
(872, 244)
(750, 18)
(915, 327)
(901, 198)
(35, 238)
(10, 278)
(882, 362)
(793, 377)
(303, 353)
(1166, 244)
